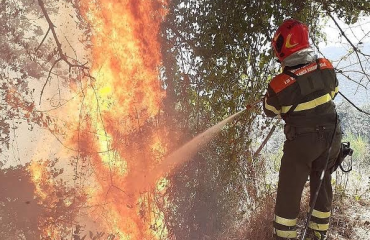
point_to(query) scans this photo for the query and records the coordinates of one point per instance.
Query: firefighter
(302, 95)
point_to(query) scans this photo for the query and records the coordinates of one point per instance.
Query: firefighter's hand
(254, 104)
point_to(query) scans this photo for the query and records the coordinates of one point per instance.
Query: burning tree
(120, 84)
(109, 125)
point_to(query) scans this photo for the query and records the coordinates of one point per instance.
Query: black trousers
(305, 153)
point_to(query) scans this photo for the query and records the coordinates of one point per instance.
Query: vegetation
(223, 62)
(216, 60)
(355, 128)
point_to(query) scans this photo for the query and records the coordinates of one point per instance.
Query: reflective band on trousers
(319, 227)
(285, 234)
(319, 214)
(285, 221)
(309, 105)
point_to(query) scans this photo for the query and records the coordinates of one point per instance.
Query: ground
(350, 219)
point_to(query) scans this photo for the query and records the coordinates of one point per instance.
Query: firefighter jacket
(303, 96)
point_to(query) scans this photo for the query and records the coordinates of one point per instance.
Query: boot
(315, 235)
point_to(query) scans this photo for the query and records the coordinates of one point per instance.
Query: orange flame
(44, 185)
(41, 178)
(121, 106)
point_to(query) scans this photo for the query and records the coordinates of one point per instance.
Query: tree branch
(46, 34)
(272, 130)
(59, 45)
(62, 56)
(355, 49)
(47, 79)
(350, 79)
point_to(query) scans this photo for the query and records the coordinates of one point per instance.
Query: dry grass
(350, 219)
(341, 225)
(258, 226)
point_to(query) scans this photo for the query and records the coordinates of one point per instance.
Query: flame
(114, 126)
(120, 107)
(44, 185)
(40, 176)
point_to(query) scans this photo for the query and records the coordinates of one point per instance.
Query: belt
(300, 130)
(311, 121)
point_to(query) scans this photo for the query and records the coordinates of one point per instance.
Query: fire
(41, 178)
(44, 185)
(120, 108)
(114, 127)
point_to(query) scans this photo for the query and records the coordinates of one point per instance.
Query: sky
(337, 46)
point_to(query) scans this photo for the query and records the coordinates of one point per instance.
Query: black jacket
(309, 90)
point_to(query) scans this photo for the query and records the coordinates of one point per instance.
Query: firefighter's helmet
(290, 37)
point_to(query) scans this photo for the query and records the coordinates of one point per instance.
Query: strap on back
(295, 76)
(289, 73)
(318, 64)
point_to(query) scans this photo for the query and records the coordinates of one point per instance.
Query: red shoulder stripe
(282, 80)
(324, 64)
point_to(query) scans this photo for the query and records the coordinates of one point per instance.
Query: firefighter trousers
(305, 154)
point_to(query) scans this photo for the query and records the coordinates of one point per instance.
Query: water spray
(189, 149)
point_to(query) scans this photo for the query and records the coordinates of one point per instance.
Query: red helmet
(290, 37)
